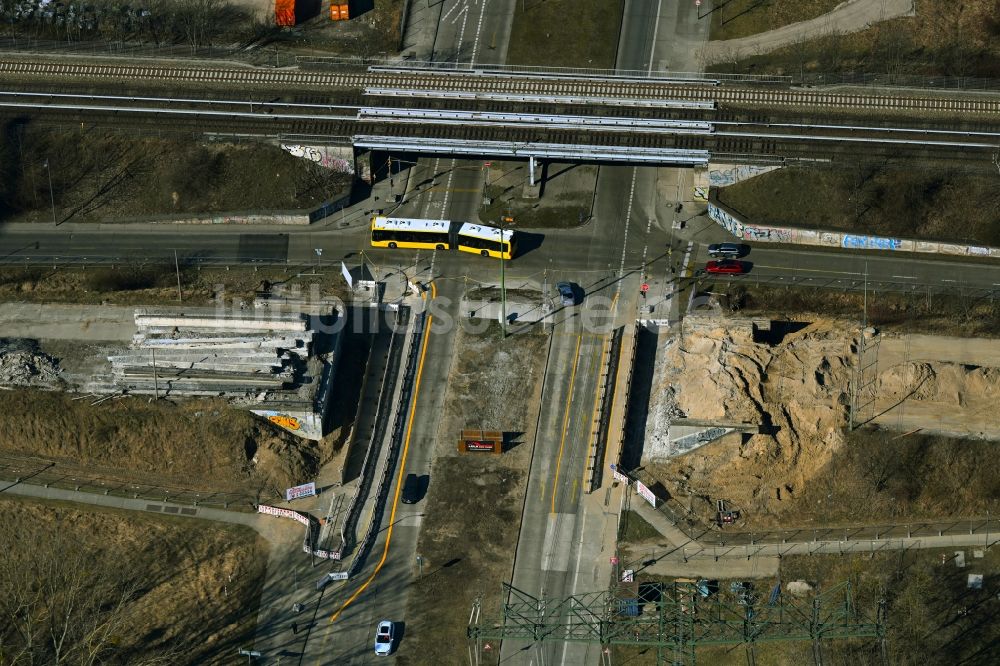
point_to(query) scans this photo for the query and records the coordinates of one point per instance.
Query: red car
(729, 266)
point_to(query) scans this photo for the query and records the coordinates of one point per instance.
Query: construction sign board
(645, 493)
(305, 490)
(481, 441)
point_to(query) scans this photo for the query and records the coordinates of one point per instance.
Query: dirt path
(851, 16)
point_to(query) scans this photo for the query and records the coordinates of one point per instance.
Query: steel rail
(632, 88)
(647, 103)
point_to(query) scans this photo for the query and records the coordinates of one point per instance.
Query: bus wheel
(484, 253)
(439, 247)
(392, 245)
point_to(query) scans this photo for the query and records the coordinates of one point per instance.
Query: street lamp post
(504, 219)
(52, 198)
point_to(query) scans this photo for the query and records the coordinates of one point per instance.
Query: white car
(383, 638)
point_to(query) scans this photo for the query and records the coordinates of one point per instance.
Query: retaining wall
(731, 222)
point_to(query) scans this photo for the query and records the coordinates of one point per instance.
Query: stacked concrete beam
(208, 352)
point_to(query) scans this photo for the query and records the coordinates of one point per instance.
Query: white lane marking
(558, 539)
(628, 217)
(576, 575)
(656, 29)
(905, 277)
(479, 31)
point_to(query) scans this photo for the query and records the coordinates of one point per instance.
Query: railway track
(428, 84)
(718, 133)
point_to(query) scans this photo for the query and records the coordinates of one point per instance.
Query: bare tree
(62, 602)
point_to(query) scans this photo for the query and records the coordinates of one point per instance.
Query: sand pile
(947, 398)
(719, 372)
(797, 386)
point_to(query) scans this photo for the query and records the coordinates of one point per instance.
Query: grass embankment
(473, 512)
(100, 175)
(194, 444)
(132, 588)
(155, 284)
(894, 477)
(733, 19)
(876, 477)
(954, 313)
(944, 38)
(875, 199)
(931, 615)
(566, 33)
(634, 529)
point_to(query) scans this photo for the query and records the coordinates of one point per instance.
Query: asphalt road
(453, 192)
(559, 538)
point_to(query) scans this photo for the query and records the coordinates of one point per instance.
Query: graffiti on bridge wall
(725, 220)
(726, 174)
(325, 156)
(767, 234)
(852, 241)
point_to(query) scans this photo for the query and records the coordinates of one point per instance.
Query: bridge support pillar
(531, 170)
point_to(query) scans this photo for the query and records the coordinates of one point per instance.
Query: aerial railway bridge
(681, 120)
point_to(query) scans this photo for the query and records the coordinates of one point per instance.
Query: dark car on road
(727, 266)
(412, 489)
(569, 293)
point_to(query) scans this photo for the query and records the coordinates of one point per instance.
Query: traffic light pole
(503, 287)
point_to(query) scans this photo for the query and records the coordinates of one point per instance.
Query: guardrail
(118, 48)
(876, 79)
(371, 455)
(576, 72)
(395, 443)
(602, 421)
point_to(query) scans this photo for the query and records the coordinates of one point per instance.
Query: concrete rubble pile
(233, 354)
(26, 367)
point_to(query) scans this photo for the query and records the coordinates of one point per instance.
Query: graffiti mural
(330, 157)
(725, 220)
(767, 234)
(730, 174)
(854, 242)
(284, 421)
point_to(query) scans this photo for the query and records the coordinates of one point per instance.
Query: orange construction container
(284, 12)
(339, 11)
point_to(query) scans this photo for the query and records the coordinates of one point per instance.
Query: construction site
(273, 359)
(755, 411)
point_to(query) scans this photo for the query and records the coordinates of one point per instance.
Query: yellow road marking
(402, 466)
(562, 440)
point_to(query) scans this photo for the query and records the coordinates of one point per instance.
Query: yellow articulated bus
(398, 232)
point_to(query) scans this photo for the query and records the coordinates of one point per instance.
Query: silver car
(384, 635)
(727, 250)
